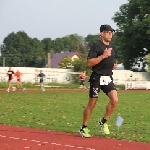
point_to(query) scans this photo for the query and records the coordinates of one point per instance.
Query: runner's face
(107, 35)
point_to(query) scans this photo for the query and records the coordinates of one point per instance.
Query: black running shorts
(41, 80)
(95, 88)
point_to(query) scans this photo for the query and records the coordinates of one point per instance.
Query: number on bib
(105, 80)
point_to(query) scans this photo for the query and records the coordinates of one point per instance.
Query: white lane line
(58, 144)
(16, 138)
(55, 144)
(2, 136)
(45, 142)
(37, 141)
(11, 137)
(68, 145)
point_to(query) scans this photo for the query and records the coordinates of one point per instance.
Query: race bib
(9, 73)
(105, 80)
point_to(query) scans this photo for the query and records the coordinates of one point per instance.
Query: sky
(56, 18)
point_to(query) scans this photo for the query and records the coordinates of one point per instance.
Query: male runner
(10, 74)
(101, 58)
(41, 75)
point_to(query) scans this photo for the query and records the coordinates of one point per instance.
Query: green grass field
(63, 112)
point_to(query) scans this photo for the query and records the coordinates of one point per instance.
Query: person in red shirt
(82, 77)
(10, 74)
(18, 75)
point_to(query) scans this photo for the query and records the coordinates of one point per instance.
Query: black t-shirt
(41, 75)
(104, 67)
(10, 73)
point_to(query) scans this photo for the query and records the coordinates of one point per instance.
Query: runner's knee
(114, 101)
(92, 103)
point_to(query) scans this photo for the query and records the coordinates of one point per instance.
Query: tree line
(131, 41)
(19, 49)
(133, 35)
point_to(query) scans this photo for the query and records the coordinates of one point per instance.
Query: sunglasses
(110, 32)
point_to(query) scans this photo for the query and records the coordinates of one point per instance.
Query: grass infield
(63, 112)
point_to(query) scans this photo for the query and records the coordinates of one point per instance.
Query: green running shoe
(85, 132)
(104, 127)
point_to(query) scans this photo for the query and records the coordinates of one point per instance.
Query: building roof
(58, 57)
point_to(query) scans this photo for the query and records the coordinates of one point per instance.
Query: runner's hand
(107, 52)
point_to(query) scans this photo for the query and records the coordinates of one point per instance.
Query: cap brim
(107, 30)
(113, 30)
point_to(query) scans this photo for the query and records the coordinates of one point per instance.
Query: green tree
(81, 65)
(58, 45)
(117, 45)
(48, 44)
(14, 47)
(21, 50)
(66, 63)
(37, 56)
(133, 32)
(68, 43)
(81, 49)
(76, 38)
(91, 39)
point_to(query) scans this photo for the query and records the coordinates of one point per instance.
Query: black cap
(106, 27)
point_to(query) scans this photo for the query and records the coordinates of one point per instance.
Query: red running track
(19, 138)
